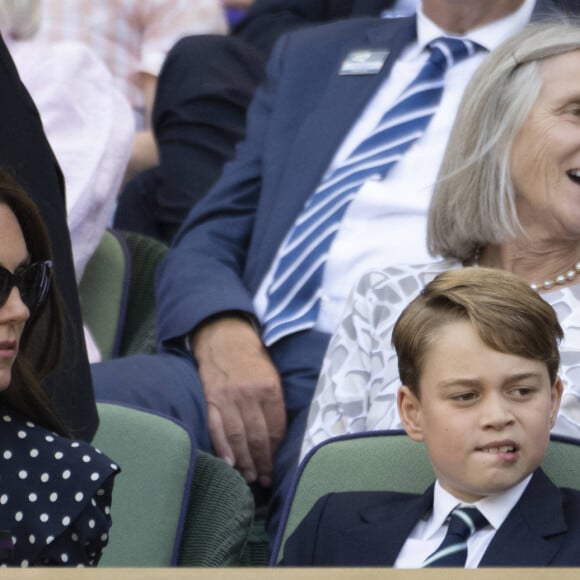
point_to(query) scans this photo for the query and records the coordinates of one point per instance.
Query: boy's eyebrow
(466, 382)
(458, 383)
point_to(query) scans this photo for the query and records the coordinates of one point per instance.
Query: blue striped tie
(294, 294)
(463, 523)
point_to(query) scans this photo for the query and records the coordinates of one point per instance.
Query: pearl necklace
(546, 284)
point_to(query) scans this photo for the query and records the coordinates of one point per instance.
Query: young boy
(478, 359)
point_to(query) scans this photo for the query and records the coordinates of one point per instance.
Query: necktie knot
(463, 522)
(447, 51)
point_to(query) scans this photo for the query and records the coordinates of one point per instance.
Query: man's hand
(246, 414)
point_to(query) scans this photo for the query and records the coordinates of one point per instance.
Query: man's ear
(410, 412)
(557, 390)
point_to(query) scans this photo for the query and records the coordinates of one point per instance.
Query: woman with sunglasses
(55, 493)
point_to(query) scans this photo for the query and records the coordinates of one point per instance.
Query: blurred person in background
(132, 37)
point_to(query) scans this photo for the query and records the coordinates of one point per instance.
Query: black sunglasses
(33, 283)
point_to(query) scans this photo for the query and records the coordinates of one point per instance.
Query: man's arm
(203, 274)
(201, 282)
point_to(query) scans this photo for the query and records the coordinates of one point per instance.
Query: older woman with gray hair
(508, 196)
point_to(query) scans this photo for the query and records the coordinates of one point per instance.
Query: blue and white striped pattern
(294, 295)
(453, 549)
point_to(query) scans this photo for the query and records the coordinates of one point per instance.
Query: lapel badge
(363, 62)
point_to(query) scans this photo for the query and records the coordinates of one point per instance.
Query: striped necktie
(294, 294)
(464, 522)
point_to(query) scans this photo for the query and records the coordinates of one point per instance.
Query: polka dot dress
(55, 497)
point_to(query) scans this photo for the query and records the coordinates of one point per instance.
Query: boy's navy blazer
(297, 120)
(370, 528)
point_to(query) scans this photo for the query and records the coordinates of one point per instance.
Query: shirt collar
(495, 508)
(489, 36)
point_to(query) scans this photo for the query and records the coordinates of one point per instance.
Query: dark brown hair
(507, 314)
(41, 342)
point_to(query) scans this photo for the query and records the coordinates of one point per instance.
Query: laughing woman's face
(545, 161)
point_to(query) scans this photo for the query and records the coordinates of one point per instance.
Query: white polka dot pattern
(56, 494)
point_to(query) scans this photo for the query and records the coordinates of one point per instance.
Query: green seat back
(103, 293)
(219, 516)
(150, 493)
(117, 293)
(139, 325)
(388, 461)
(562, 461)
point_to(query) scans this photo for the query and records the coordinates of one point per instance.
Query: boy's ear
(410, 413)
(557, 390)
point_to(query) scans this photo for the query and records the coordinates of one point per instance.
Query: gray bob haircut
(473, 202)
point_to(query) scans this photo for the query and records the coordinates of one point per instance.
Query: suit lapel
(339, 108)
(533, 531)
(300, 162)
(381, 531)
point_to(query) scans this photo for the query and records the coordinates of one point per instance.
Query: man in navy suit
(482, 395)
(238, 394)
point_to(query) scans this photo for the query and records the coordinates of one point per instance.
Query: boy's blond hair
(507, 314)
